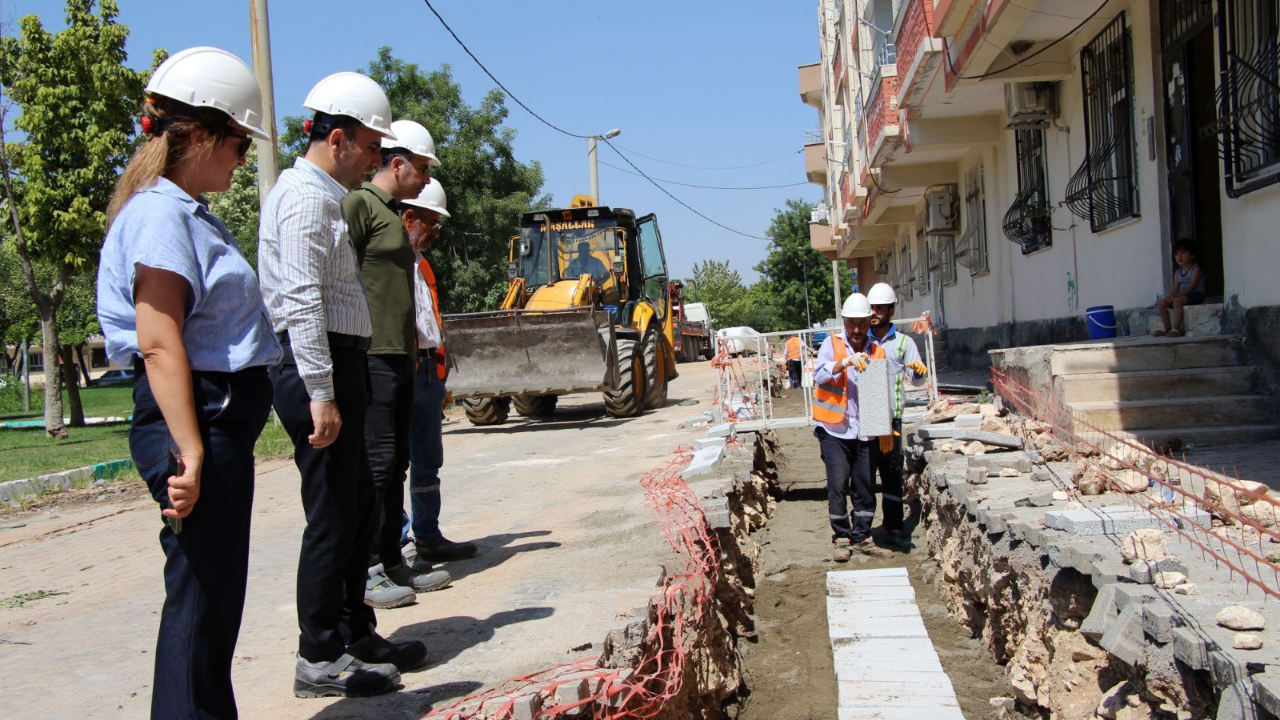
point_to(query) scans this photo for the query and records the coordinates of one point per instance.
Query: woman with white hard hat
(179, 303)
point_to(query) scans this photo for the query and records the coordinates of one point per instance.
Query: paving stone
(977, 476)
(1077, 558)
(1227, 669)
(1236, 702)
(1266, 692)
(999, 440)
(1141, 572)
(1101, 615)
(1124, 638)
(710, 442)
(1044, 499)
(853, 657)
(1192, 647)
(1158, 621)
(717, 514)
(1106, 572)
(875, 399)
(703, 462)
(1101, 521)
(968, 421)
(710, 489)
(721, 430)
(1127, 593)
(938, 432)
(1018, 461)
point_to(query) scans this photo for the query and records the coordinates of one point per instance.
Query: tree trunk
(53, 426)
(73, 387)
(84, 366)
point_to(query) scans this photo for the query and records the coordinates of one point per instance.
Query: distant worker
(846, 452)
(795, 351)
(585, 264)
(387, 266)
(904, 361)
(311, 282)
(180, 304)
(421, 218)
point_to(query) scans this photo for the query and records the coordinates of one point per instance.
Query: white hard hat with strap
(206, 77)
(431, 198)
(411, 136)
(353, 95)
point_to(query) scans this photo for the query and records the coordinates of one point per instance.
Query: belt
(336, 340)
(428, 354)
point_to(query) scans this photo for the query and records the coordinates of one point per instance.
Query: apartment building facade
(1007, 164)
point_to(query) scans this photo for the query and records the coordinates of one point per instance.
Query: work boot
(374, 649)
(381, 592)
(444, 550)
(843, 551)
(425, 580)
(867, 546)
(344, 677)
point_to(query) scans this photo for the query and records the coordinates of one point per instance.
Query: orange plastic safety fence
(681, 604)
(734, 395)
(1183, 492)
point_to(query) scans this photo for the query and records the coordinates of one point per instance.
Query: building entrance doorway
(1195, 200)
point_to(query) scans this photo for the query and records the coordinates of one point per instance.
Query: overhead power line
(705, 167)
(946, 50)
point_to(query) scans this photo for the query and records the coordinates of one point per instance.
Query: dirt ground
(568, 550)
(789, 665)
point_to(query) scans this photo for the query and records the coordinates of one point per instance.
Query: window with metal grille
(1247, 120)
(1028, 222)
(971, 249)
(942, 259)
(1104, 190)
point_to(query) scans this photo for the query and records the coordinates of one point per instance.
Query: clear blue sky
(708, 83)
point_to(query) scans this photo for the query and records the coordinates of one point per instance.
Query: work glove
(857, 362)
(918, 368)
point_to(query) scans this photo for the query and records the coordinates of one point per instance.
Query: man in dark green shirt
(387, 264)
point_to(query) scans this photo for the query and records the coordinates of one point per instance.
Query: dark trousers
(337, 496)
(207, 565)
(426, 452)
(386, 434)
(889, 465)
(793, 371)
(848, 465)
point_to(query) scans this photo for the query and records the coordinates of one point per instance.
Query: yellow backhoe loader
(588, 309)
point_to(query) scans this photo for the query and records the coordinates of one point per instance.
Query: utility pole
(593, 169)
(268, 160)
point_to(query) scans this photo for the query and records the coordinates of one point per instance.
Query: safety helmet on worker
(882, 294)
(411, 136)
(207, 77)
(856, 306)
(353, 95)
(431, 198)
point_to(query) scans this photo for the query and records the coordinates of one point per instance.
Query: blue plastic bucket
(1102, 321)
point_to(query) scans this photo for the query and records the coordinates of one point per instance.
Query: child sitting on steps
(1188, 289)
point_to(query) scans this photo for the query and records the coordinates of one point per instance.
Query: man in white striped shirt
(310, 280)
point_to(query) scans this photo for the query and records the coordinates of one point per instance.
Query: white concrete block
(703, 462)
(875, 399)
(711, 442)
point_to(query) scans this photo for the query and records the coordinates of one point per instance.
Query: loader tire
(628, 399)
(655, 375)
(487, 411)
(534, 406)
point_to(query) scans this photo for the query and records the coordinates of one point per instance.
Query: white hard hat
(353, 95)
(431, 198)
(412, 137)
(212, 78)
(882, 294)
(857, 306)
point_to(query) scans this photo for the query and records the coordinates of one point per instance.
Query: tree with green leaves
(793, 267)
(722, 289)
(238, 207)
(77, 100)
(488, 188)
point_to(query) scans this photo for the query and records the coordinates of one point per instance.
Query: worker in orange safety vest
(422, 217)
(846, 452)
(795, 351)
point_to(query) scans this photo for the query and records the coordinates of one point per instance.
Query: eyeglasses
(246, 141)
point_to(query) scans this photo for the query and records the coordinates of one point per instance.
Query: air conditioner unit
(1030, 105)
(882, 262)
(942, 211)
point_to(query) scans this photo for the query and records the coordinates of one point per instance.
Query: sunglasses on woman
(245, 142)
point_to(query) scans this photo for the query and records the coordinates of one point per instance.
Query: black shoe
(377, 650)
(344, 677)
(443, 550)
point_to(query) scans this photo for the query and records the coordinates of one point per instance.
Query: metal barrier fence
(746, 365)
(1241, 516)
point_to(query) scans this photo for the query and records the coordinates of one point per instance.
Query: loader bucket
(518, 352)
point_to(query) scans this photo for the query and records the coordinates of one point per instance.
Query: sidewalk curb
(12, 492)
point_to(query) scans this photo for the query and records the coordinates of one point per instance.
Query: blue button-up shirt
(226, 328)
(825, 370)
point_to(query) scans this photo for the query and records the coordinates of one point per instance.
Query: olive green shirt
(386, 267)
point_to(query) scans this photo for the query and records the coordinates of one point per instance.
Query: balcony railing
(883, 109)
(915, 28)
(884, 53)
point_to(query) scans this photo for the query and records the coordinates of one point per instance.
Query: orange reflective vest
(430, 276)
(793, 349)
(830, 399)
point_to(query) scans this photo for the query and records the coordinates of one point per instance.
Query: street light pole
(591, 162)
(268, 161)
(808, 320)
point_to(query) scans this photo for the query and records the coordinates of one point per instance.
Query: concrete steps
(1206, 435)
(1136, 354)
(1157, 384)
(1198, 321)
(1175, 412)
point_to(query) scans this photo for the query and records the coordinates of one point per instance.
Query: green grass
(98, 402)
(27, 453)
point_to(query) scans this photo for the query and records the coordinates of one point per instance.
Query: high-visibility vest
(899, 379)
(429, 275)
(793, 349)
(830, 399)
